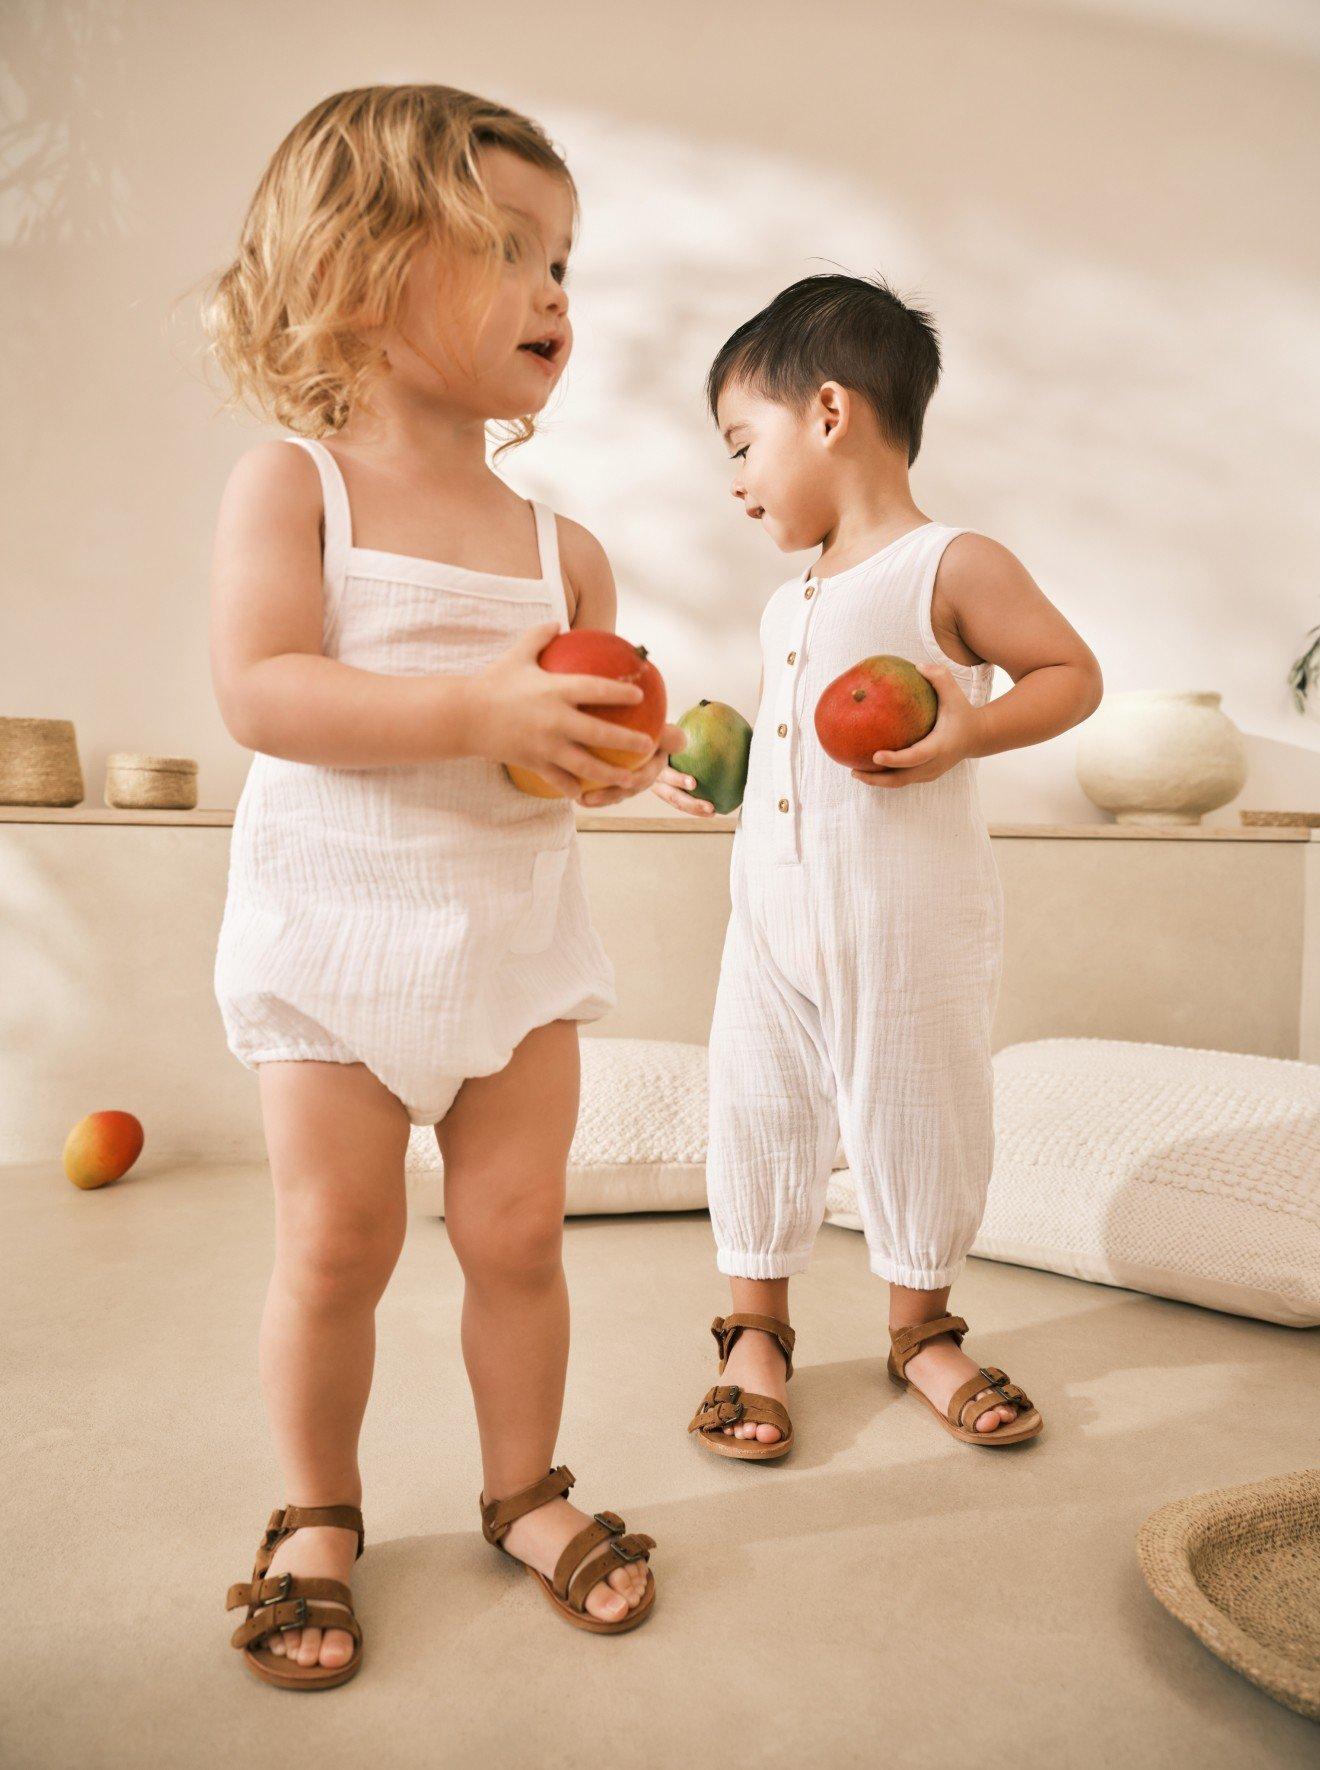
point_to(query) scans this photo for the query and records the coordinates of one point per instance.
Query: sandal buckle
(610, 1521)
(627, 1554)
(300, 1621)
(1000, 1385)
(285, 1587)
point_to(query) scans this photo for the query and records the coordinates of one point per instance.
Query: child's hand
(676, 789)
(954, 736)
(672, 738)
(537, 719)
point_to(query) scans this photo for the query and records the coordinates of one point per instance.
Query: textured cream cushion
(1189, 1174)
(640, 1143)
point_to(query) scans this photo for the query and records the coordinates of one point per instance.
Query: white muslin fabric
(862, 962)
(422, 918)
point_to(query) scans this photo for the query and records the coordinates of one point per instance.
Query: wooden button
(792, 657)
(809, 592)
(783, 731)
(783, 804)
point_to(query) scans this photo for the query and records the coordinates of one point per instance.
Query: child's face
(491, 371)
(782, 466)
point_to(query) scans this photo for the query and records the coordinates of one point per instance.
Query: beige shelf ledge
(610, 824)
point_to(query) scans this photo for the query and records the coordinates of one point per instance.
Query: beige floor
(887, 1598)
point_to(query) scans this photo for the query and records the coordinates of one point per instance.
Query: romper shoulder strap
(338, 520)
(929, 554)
(547, 541)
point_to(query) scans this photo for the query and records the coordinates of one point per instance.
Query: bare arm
(989, 603)
(594, 602)
(1002, 614)
(280, 694)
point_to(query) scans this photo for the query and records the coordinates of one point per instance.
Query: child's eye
(559, 272)
(742, 453)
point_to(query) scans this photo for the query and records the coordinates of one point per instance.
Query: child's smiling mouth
(547, 350)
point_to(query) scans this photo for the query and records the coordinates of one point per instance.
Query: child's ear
(833, 412)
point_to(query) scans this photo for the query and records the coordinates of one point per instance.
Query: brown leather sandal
(729, 1405)
(585, 1560)
(958, 1422)
(295, 1601)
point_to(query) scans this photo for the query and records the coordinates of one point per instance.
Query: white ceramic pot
(1152, 756)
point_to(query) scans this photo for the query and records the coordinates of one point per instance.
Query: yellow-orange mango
(102, 1147)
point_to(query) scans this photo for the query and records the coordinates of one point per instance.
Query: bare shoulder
(588, 579)
(272, 480)
(975, 562)
(987, 607)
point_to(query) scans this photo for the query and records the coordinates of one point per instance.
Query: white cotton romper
(419, 918)
(862, 962)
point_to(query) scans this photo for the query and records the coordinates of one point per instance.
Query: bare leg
(941, 1366)
(505, 1147)
(757, 1362)
(336, 1139)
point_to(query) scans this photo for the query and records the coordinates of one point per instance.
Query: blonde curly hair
(357, 187)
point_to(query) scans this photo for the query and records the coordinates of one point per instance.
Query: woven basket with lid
(156, 783)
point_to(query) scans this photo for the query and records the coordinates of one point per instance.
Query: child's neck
(874, 507)
(427, 437)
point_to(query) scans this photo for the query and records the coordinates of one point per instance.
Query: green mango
(719, 742)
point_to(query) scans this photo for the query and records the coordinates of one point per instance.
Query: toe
(309, 1647)
(607, 1604)
(994, 1417)
(624, 1581)
(277, 1644)
(768, 1434)
(336, 1648)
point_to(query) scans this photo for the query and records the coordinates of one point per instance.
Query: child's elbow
(240, 710)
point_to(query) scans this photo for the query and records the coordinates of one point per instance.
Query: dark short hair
(853, 330)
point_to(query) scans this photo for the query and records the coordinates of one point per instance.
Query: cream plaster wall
(1109, 206)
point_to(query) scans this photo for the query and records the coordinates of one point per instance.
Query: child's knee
(514, 1238)
(331, 1261)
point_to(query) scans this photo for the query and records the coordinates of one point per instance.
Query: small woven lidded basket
(39, 763)
(150, 783)
(1241, 1568)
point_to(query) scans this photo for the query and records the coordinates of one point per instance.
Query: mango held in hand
(719, 743)
(586, 651)
(883, 703)
(102, 1147)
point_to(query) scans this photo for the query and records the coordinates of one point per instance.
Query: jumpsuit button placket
(786, 842)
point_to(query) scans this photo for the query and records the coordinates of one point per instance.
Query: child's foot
(539, 1538)
(317, 1552)
(939, 1367)
(757, 1365)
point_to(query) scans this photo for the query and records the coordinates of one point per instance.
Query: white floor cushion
(1189, 1174)
(640, 1143)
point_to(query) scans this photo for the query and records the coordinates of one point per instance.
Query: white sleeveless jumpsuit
(862, 962)
(420, 918)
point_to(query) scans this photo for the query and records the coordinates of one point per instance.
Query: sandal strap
(603, 1527)
(726, 1329)
(620, 1548)
(276, 1588)
(295, 1613)
(906, 1340)
(987, 1378)
(284, 1520)
(728, 1405)
(498, 1515)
